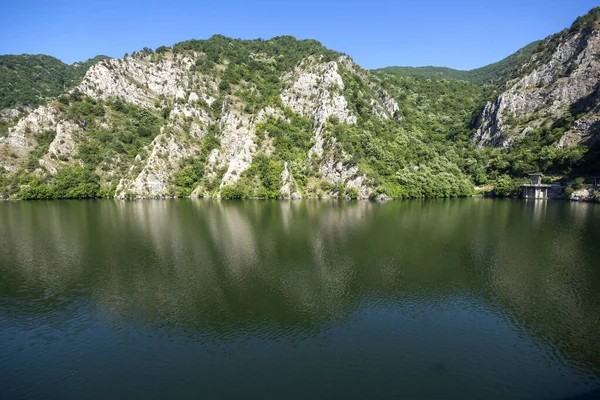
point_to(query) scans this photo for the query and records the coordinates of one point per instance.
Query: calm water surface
(469, 298)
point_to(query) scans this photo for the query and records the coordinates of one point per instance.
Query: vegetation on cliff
(270, 119)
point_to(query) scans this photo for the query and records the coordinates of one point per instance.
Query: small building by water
(596, 181)
(536, 189)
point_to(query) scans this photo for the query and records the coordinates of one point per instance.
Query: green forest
(31, 80)
(493, 74)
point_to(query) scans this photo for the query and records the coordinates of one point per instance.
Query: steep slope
(30, 80)
(227, 118)
(488, 75)
(555, 95)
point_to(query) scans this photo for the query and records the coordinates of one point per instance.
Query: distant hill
(31, 80)
(487, 75)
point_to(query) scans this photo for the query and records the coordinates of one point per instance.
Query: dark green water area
(465, 299)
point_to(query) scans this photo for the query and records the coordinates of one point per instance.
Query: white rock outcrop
(237, 147)
(21, 137)
(315, 89)
(544, 94)
(339, 172)
(62, 148)
(172, 87)
(143, 81)
(289, 188)
(155, 177)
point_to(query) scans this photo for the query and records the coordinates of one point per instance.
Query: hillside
(30, 80)
(288, 118)
(552, 105)
(491, 74)
(235, 118)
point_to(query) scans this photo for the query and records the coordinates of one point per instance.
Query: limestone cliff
(557, 88)
(187, 94)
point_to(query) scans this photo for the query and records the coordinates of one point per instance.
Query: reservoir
(466, 299)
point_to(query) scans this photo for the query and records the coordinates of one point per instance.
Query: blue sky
(460, 34)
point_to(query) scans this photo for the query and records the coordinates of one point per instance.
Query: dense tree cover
(69, 183)
(443, 113)
(30, 80)
(283, 51)
(261, 180)
(491, 74)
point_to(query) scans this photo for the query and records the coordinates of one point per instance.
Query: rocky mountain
(288, 118)
(556, 91)
(224, 118)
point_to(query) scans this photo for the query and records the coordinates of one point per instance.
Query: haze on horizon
(464, 34)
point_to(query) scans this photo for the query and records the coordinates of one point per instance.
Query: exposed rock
(21, 138)
(190, 120)
(289, 188)
(64, 142)
(315, 89)
(570, 75)
(584, 194)
(237, 147)
(338, 172)
(141, 81)
(585, 130)
(155, 177)
(179, 93)
(10, 114)
(62, 147)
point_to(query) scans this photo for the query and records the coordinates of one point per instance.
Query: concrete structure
(535, 190)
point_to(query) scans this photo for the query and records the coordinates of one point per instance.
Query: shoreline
(373, 200)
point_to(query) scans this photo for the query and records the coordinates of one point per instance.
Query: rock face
(585, 130)
(154, 179)
(289, 189)
(237, 146)
(21, 138)
(563, 75)
(140, 80)
(314, 89)
(62, 148)
(171, 84)
(10, 114)
(585, 194)
(167, 150)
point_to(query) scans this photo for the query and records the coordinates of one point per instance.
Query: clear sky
(461, 34)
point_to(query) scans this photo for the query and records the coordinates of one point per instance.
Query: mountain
(238, 118)
(488, 75)
(554, 101)
(288, 118)
(30, 80)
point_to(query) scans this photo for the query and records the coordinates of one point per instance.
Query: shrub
(578, 183)
(235, 192)
(506, 186)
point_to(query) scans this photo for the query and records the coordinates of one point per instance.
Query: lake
(468, 298)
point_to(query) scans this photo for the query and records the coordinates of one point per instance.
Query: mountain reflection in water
(475, 298)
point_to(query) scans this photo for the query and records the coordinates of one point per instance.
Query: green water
(466, 299)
